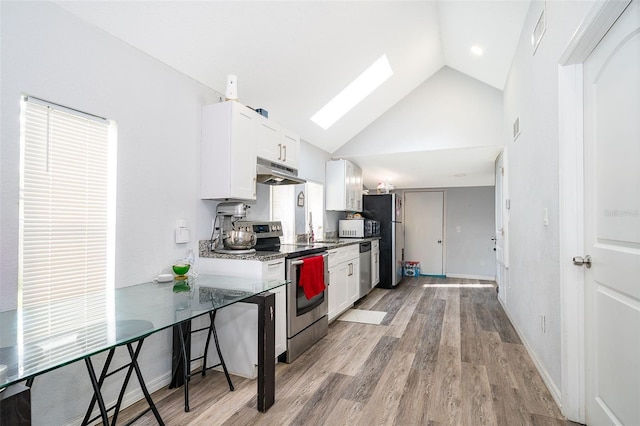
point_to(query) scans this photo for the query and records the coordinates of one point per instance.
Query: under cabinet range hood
(270, 173)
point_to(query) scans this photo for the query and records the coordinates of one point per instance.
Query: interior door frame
(571, 107)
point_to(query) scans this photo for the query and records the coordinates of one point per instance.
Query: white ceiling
(291, 57)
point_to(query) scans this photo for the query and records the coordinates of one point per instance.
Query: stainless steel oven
(306, 318)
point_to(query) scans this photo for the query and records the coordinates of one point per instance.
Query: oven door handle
(300, 262)
(295, 263)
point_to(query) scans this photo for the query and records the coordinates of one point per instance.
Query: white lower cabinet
(353, 280)
(344, 279)
(237, 325)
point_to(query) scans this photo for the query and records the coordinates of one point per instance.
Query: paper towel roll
(232, 87)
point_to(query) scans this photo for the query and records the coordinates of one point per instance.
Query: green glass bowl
(181, 269)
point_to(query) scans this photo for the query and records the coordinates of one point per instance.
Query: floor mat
(362, 316)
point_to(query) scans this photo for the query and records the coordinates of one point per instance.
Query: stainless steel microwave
(358, 228)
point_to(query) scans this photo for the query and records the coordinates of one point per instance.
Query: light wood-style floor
(445, 354)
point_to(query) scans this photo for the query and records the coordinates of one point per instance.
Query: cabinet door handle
(279, 151)
(285, 152)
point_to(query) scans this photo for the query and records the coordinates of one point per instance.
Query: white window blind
(66, 221)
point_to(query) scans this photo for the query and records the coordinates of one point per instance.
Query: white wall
(449, 110)
(469, 227)
(531, 93)
(48, 53)
(51, 54)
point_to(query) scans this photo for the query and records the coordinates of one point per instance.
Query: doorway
(599, 161)
(424, 224)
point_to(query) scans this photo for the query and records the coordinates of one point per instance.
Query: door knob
(579, 260)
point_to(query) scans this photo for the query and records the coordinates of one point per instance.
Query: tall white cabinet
(233, 136)
(228, 156)
(343, 186)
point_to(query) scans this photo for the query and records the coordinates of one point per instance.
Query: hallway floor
(445, 354)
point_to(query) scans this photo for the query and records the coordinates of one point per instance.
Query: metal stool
(124, 329)
(186, 365)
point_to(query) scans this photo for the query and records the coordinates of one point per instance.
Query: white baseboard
(471, 277)
(546, 378)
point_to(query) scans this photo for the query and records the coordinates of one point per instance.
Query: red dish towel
(312, 276)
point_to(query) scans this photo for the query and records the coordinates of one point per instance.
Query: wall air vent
(538, 31)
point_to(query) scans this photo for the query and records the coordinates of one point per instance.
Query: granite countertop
(266, 256)
(341, 242)
(260, 256)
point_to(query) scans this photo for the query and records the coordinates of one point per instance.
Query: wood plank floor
(445, 354)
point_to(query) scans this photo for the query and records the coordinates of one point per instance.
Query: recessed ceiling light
(477, 50)
(355, 92)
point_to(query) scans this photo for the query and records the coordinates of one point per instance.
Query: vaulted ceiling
(291, 57)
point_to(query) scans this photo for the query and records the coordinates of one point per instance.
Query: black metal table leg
(143, 386)
(212, 328)
(186, 365)
(97, 393)
(266, 303)
(103, 375)
(177, 379)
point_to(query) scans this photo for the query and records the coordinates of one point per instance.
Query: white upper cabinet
(277, 144)
(343, 186)
(228, 157)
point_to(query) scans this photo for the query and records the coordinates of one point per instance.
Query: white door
(612, 221)
(423, 221)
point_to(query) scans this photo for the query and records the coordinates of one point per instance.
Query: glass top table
(39, 339)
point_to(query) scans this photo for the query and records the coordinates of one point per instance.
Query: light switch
(458, 229)
(183, 232)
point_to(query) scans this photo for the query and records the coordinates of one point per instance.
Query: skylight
(355, 92)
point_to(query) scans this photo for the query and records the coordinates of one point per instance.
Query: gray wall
(468, 253)
(469, 226)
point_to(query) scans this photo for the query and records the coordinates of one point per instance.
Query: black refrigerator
(387, 209)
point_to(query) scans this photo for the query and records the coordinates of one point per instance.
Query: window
(315, 209)
(283, 209)
(67, 221)
(297, 219)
